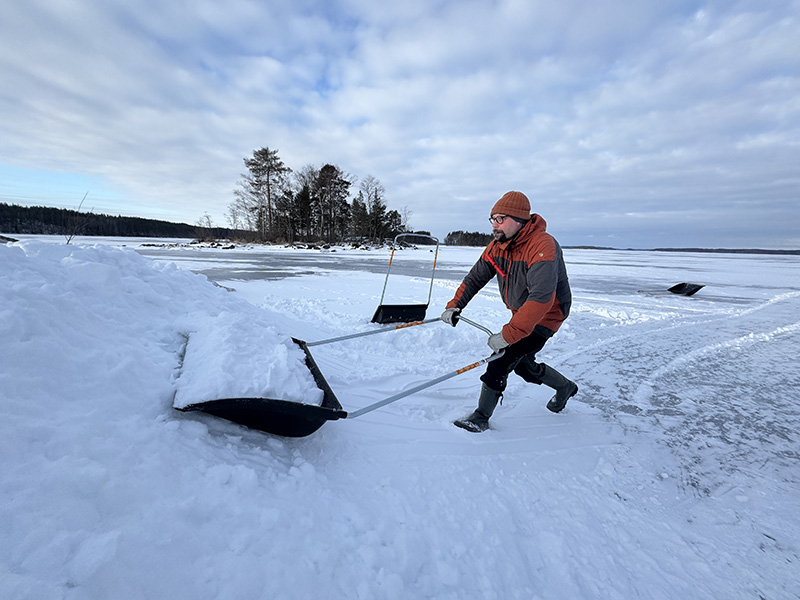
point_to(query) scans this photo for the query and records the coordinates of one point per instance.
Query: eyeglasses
(498, 219)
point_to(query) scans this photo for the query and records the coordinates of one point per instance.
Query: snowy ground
(673, 474)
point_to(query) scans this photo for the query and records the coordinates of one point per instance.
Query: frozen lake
(672, 474)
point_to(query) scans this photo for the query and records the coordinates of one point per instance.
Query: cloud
(622, 121)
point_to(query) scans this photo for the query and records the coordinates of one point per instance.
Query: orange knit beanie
(513, 204)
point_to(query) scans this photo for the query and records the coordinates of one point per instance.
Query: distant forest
(463, 238)
(730, 250)
(43, 220)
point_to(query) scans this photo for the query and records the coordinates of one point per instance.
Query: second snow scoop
(682, 289)
(294, 419)
(405, 313)
(686, 289)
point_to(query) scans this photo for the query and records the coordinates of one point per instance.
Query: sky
(630, 125)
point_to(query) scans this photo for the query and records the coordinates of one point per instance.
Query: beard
(499, 236)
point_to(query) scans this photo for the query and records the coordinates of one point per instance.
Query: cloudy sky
(628, 124)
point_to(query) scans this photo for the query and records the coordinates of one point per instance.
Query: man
(533, 284)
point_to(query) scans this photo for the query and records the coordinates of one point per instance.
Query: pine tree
(360, 223)
(332, 210)
(259, 189)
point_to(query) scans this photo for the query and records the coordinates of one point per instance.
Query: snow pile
(673, 473)
(240, 356)
(91, 344)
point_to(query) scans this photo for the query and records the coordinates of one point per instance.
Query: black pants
(519, 358)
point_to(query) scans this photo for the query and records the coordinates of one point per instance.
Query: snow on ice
(673, 473)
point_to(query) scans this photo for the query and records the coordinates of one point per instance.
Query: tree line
(44, 220)
(272, 203)
(365, 224)
(276, 203)
(463, 238)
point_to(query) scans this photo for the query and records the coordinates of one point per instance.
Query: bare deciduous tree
(79, 222)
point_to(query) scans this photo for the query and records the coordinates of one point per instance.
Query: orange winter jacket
(532, 277)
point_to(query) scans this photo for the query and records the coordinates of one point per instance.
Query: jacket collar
(534, 225)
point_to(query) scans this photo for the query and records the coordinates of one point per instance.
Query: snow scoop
(686, 289)
(294, 419)
(682, 289)
(404, 313)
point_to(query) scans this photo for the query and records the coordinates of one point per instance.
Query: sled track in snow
(720, 389)
(717, 318)
(646, 388)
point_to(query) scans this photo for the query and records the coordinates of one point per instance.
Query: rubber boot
(478, 421)
(565, 389)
